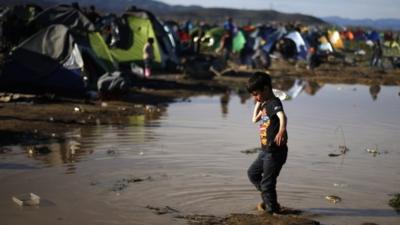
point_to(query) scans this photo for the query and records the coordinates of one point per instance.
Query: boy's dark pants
(264, 172)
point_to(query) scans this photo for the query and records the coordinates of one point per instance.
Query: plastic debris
(30, 199)
(374, 151)
(341, 185)
(334, 154)
(78, 109)
(333, 198)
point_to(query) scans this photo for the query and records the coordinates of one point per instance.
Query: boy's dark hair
(258, 81)
(150, 40)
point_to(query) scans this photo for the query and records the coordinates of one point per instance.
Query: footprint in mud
(122, 184)
(163, 210)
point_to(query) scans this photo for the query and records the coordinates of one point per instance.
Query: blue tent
(373, 36)
(47, 62)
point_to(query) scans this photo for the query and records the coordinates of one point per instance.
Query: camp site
(139, 112)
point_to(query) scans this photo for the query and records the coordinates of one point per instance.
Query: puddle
(201, 149)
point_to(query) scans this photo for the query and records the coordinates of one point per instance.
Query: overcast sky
(354, 9)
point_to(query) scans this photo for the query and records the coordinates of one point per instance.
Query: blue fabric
(373, 36)
(231, 28)
(17, 78)
(263, 174)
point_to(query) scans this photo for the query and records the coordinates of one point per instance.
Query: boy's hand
(280, 138)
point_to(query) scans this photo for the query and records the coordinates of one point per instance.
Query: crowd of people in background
(295, 41)
(109, 49)
(263, 42)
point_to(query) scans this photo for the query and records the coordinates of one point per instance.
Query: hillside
(392, 24)
(181, 13)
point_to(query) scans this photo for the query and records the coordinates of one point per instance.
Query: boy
(148, 56)
(265, 169)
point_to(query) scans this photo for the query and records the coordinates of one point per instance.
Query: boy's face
(261, 95)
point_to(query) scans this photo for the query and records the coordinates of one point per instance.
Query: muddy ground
(42, 116)
(29, 119)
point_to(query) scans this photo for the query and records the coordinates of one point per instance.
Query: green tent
(141, 29)
(214, 36)
(143, 25)
(101, 52)
(391, 49)
(238, 42)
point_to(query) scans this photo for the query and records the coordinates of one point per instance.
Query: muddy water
(187, 159)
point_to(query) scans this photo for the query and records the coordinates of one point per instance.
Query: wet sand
(35, 121)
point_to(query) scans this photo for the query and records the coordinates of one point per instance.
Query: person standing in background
(148, 56)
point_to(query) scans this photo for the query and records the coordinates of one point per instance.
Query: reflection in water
(224, 102)
(292, 87)
(154, 112)
(196, 158)
(79, 142)
(244, 95)
(283, 84)
(297, 88)
(59, 153)
(374, 91)
(353, 212)
(312, 87)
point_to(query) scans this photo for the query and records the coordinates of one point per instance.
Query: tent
(391, 48)
(325, 45)
(47, 62)
(373, 36)
(301, 47)
(335, 39)
(95, 52)
(13, 22)
(62, 14)
(142, 25)
(271, 36)
(215, 34)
